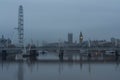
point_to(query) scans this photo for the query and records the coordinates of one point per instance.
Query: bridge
(55, 49)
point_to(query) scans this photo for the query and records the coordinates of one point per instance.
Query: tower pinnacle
(81, 38)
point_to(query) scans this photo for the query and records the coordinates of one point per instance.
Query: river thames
(53, 69)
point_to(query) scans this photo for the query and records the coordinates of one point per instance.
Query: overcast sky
(51, 20)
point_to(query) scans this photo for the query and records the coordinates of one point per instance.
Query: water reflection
(89, 67)
(60, 69)
(20, 71)
(78, 67)
(27, 70)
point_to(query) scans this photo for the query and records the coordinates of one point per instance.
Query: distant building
(70, 38)
(115, 42)
(5, 42)
(99, 43)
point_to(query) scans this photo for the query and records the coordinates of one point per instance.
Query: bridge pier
(33, 53)
(61, 55)
(116, 55)
(89, 56)
(4, 54)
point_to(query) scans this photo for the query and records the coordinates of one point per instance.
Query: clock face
(81, 37)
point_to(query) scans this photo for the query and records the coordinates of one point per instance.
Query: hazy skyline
(51, 20)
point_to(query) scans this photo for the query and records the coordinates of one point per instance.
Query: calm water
(59, 71)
